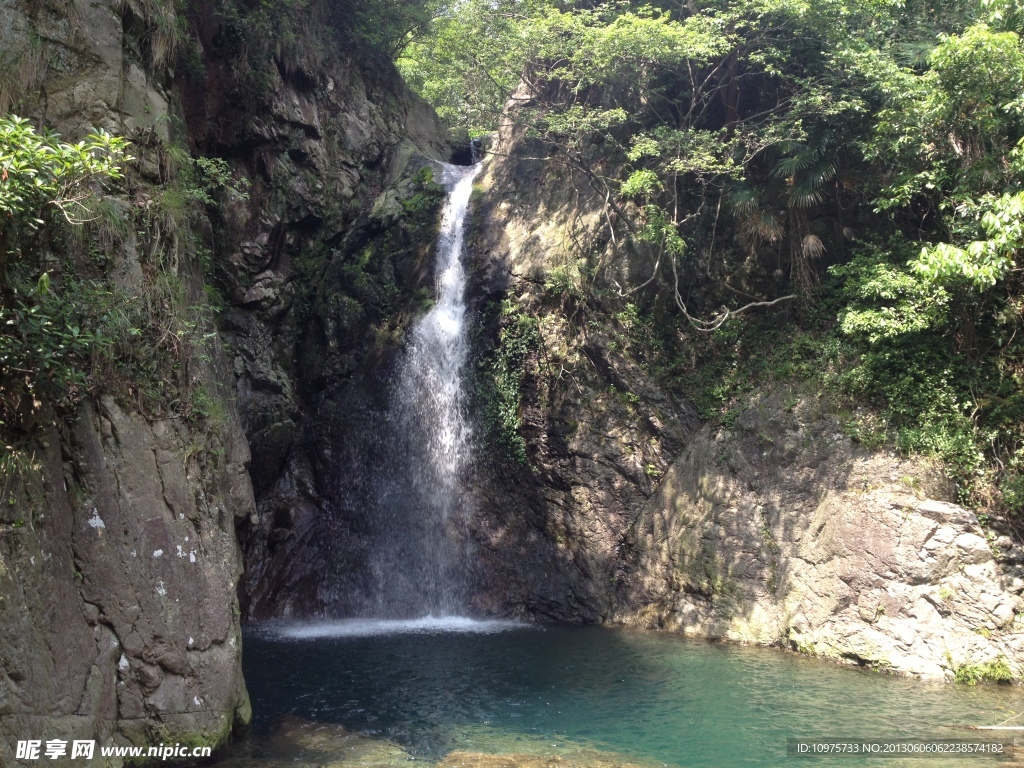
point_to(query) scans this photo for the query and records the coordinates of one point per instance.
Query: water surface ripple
(650, 697)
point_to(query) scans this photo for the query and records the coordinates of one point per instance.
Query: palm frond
(804, 194)
(790, 166)
(812, 247)
(822, 172)
(763, 225)
(914, 54)
(743, 200)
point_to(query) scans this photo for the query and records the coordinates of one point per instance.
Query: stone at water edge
(780, 530)
(461, 759)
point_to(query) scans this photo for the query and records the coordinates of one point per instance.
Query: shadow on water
(647, 696)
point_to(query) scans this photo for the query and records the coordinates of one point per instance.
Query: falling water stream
(418, 559)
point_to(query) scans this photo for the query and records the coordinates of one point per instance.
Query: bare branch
(714, 324)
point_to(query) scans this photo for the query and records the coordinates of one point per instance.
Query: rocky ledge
(780, 530)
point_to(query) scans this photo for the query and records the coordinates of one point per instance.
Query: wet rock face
(599, 429)
(550, 532)
(118, 616)
(319, 269)
(781, 531)
(314, 268)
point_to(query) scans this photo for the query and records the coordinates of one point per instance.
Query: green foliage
(1006, 15)
(389, 26)
(950, 130)
(201, 178)
(980, 263)
(641, 184)
(503, 376)
(47, 333)
(47, 338)
(1012, 489)
(888, 300)
(566, 280)
(422, 207)
(206, 409)
(38, 170)
(921, 388)
(980, 76)
(657, 228)
(995, 671)
(66, 328)
(923, 307)
(469, 60)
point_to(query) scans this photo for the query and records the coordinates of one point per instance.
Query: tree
(44, 340)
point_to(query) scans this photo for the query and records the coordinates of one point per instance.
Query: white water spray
(431, 389)
(426, 625)
(418, 565)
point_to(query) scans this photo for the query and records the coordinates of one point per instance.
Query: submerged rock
(327, 745)
(302, 742)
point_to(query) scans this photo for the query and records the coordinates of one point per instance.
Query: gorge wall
(320, 269)
(770, 525)
(118, 557)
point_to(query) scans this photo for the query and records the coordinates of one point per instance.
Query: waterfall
(418, 563)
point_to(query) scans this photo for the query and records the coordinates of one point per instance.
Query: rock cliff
(320, 270)
(119, 533)
(781, 530)
(769, 526)
(117, 574)
(118, 552)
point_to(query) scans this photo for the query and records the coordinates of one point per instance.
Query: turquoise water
(651, 698)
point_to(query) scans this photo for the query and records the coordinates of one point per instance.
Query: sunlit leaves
(658, 229)
(980, 263)
(643, 145)
(578, 119)
(37, 169)
(707, 154)
(950, 126)
(641, 184)
(981, 73)
(888, 301)
(470, 60)
(588, 48)
(1005, 15)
